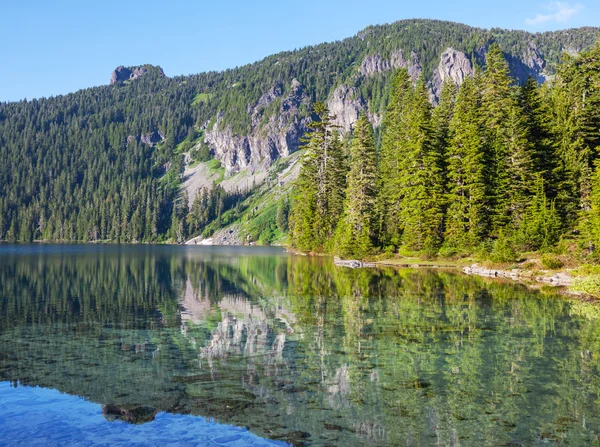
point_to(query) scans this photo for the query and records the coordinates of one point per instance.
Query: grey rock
(351, 263)
(454, 66)
(374, 64)
(266, 142)
(345, 104)
(152, 138)
(122, 73)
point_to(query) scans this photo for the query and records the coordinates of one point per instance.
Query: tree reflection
(301, 350)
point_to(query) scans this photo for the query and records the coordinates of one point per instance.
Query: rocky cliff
(272, 137)
(434, 51)
(122, 73)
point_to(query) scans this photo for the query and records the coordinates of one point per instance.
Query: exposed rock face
(532, 65)
(152, 138)
(455, 66)
(376, 64)
(278, 137)
(122, 73)
(346, 104)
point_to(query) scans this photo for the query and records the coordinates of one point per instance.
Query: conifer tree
(537, 114)
(540, 227)
(319, 194)
(467, 214)
(391, 154)
(575, 106)
(355, 233)
(420, 179)
(442, 114)
(508, 152)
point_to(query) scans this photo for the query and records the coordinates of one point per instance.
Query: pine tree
(508, 152)
(391, 154)
(283, 210)
(356, 229)
(537, 114)
(442, 115)
(540, 227)
(318, 200)
(467, 221)
(575, 105)
(420, 176)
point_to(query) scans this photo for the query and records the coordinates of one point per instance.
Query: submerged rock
(135, 415)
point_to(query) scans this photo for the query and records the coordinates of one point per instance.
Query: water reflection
(299, 350)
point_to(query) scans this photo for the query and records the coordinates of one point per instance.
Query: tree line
(494, 167)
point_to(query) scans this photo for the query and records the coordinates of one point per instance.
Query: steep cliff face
(279, 117)
(122, 73)
(270, 138)
(454, 66)
(345, 104)
(373, 64)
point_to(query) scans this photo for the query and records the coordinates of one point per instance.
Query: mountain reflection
(299, 350)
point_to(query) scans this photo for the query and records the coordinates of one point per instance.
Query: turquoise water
(142, 345)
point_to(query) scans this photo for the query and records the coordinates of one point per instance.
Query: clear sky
(55, 47)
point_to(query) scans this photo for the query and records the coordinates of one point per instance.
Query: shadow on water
(298, 350)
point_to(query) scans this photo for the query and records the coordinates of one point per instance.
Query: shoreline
(561, 279)
(532, 278)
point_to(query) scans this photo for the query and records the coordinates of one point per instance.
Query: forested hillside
(107, 163)
(494, 168)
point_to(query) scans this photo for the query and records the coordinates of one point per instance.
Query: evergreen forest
(495, 168)
(500, 161)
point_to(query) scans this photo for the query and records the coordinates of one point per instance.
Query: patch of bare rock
(556, 279)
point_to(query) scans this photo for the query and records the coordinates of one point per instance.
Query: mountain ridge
(109, 162)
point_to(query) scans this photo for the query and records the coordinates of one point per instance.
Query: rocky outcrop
(278, 137)
(374, 64)
(557, 279)
(152, 138)
(351, 263)
(345, 104)
(133, 415)
(454, 66)
(122, 73)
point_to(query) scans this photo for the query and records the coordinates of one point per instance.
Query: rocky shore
(556, 279)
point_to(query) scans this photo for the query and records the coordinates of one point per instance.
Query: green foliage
(421, 177)
(540, 227)
(467, 220)
(356, 229)
(318, 199)
(283, 211)
(209, 207)
(551, 262)
(588, 285)
(503, 250)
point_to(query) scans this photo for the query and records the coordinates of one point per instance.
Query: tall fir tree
(508, 152)
(318, 199)
(575, 106)
(388, 204)
(536, 111)
(467, 221)
(356, 229)
(420, 176)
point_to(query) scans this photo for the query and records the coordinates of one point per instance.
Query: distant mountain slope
(105, 163)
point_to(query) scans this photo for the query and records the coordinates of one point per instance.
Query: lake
(236, 346)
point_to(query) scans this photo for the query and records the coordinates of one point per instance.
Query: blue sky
(56, 47)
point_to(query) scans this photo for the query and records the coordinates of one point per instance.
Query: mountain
(116, 162)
